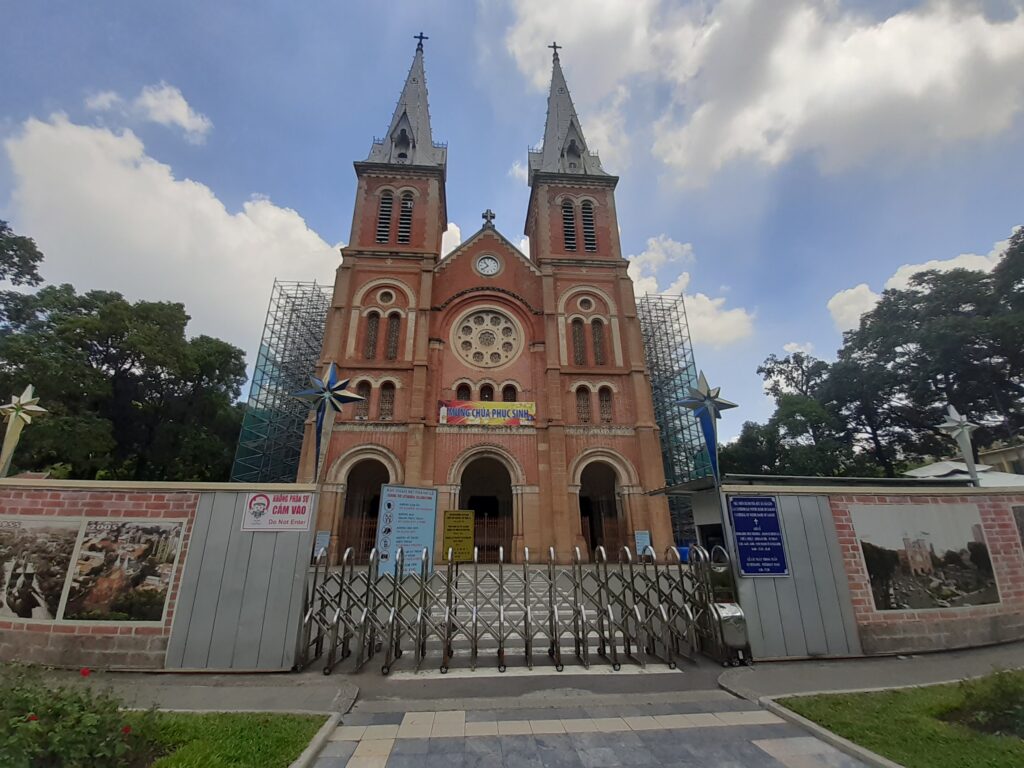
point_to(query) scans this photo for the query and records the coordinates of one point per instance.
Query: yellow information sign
(458, 534)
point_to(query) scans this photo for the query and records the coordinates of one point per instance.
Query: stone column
(332, 509)
(575, 528)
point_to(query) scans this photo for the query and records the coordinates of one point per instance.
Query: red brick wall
(95, 644)
(940, 628)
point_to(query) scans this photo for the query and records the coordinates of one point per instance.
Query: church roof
(408, 140)
(565, 149)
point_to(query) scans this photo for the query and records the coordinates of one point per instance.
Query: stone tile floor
(569, 738)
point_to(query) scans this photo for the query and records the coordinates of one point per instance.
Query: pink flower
(31, 717)
(85, 671)
(126, 730)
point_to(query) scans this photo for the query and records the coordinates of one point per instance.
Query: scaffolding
(666, 338)
(270, 441)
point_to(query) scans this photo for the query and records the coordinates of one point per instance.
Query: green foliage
(992, 704)
(912, 725)
(130, 396)
(949, 338)
(69, 726)
(19, 258)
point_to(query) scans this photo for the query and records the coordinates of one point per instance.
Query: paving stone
(373, 748)
(481, 729)
(514, 727)
(348, 733)
(338, 749)
(598, 757)
(557, 751)
(642, 723)
(410, 746)
(546, 726)
(578, 725)
(331, 762)
(519, 752)
(446, 745)
(610, 724)
(758, 717)
(416, 725)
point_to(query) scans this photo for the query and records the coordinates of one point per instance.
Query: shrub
(45, 726)
(992, 704)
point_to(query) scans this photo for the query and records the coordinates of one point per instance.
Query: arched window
(597, 331)
(391, 341)
(589, 233)
(462, 392)
(386, 407)
(583, 414)
(405, 218)
(569, 225)
(579, 350)
(372, 329)
(363, 406)
(487, 393)
(604, 400)
(509, 394)
(384, 207)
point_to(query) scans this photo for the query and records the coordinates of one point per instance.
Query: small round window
(586, 304)
(386, 297)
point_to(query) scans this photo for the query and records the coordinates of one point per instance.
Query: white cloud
(795, 346)
(765, 81)
(102, 101)
(605, 130)
(109, 216)
(165, 105)
(451, 239)
(710, 321)
(518, 171)
(848, 305)
(524, 246)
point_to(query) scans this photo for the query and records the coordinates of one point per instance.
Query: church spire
(564, 150)
(408, 141)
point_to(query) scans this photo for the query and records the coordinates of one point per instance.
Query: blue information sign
(759, 544)
(406, 520)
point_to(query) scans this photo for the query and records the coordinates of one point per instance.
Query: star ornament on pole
(707, 405)
(327, 394)
(959, 428)
(17, 414)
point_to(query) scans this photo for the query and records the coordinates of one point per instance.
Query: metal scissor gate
(635, 610)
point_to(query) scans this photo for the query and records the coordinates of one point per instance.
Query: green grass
(233, 740)
(907, 725)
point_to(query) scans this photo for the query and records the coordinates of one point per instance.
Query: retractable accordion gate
(638, 610)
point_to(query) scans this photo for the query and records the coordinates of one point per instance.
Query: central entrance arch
(362, 504)
(600, 518)
(486, 488)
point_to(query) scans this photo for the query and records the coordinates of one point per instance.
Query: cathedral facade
(515, 385)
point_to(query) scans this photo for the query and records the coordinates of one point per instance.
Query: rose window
(487, 338)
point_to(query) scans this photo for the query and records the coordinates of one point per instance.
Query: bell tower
(571, 215)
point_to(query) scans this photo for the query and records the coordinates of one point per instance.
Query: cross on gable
(554, 47)
(488, 216)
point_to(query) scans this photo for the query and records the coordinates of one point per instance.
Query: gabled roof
(565, 149)
(504, 241)
(409, 132)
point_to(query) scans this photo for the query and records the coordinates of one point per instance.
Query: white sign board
(277, 512)
(406, 521)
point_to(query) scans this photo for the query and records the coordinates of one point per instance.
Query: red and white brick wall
(938, 628)
(95, 644)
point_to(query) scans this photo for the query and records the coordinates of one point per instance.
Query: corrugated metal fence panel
(241, 593)
(809, 612)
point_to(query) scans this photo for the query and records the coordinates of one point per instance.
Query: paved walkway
(713, 729)
(786, 677)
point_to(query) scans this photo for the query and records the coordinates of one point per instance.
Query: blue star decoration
(707, 406)
(328, 393)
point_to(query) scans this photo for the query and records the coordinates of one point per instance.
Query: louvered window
(487, 393)
(386, 408)
(597, 331)
(604, 399)
(589, 233)
(405, 219)
(363, 406)
(569, 225)
(583, 415)
(579, 351)
(391, 344)
(372, 329)
(509, 394)
(387, 201)
(463, 392)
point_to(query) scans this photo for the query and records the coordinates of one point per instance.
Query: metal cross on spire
(488, 216)
(554, 47)
(420, 37)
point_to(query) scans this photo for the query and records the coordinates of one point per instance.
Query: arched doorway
(362, 503)
(599, 509)
(486, 488)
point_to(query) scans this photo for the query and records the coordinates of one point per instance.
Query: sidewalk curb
(309, 754)
(843, 745)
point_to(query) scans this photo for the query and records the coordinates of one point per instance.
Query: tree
(19, 258)
(129, 395)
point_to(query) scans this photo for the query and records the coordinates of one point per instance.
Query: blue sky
(780, 161)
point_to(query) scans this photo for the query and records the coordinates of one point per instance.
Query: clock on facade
(487, 265)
